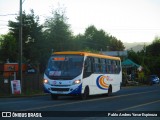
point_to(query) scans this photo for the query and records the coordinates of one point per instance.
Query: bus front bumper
(71, 90)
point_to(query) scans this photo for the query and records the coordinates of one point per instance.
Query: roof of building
(129, 63)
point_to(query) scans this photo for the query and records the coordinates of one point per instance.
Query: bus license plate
(60, 92)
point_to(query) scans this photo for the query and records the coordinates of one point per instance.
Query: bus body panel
(94, 84)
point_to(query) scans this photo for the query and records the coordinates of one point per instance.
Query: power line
(3, 21)
(8, 14)
(132, 29)
(4, 27)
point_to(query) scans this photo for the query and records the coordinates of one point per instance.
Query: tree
(78, 43)
(32, 35)
(153, 56)
(57, 32)
(98, 40)
(95, 39)
(116, 45)
(8, 49)
(153, 49)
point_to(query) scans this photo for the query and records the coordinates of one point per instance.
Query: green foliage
(97, 40)
(149, 57)
(57, 33)
(31, 35)
(116, 45)
(141, 59)
(153, 49)
(153, 56)
(8, 47)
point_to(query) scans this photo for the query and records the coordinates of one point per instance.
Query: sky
(127, 20)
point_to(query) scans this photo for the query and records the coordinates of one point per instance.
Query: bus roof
(86, 54)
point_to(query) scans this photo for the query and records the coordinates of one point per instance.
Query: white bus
(82, 73)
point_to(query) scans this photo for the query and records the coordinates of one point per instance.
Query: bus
(82, 74)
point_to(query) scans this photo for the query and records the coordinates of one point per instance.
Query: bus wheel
(54, 97)
(85, 95)
(109, 91)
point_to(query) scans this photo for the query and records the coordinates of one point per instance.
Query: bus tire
(109, 91)
(85, 95)
(54, 97)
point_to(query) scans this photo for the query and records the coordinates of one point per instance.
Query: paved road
(141, 99)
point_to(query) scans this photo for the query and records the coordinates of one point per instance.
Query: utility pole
(20, 46)
(144, 50)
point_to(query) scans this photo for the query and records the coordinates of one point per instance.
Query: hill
(136, 46)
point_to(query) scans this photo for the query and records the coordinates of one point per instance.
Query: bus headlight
(45, 81)
(76, 82)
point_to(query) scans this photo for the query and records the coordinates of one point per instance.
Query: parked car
(154, 79)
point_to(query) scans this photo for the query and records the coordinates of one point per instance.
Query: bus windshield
(64, 67)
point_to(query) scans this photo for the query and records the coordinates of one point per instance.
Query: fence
(32, 84)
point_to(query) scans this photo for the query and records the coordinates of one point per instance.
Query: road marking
(91, 100)
(139, 105)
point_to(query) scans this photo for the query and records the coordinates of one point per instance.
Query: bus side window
(87, 67)
(106, 64)
(118, 67)
(100, 65)
(96, 65)
(113, 66)
(109, 66)
(103, 65)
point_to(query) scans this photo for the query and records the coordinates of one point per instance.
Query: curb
(22, 96)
